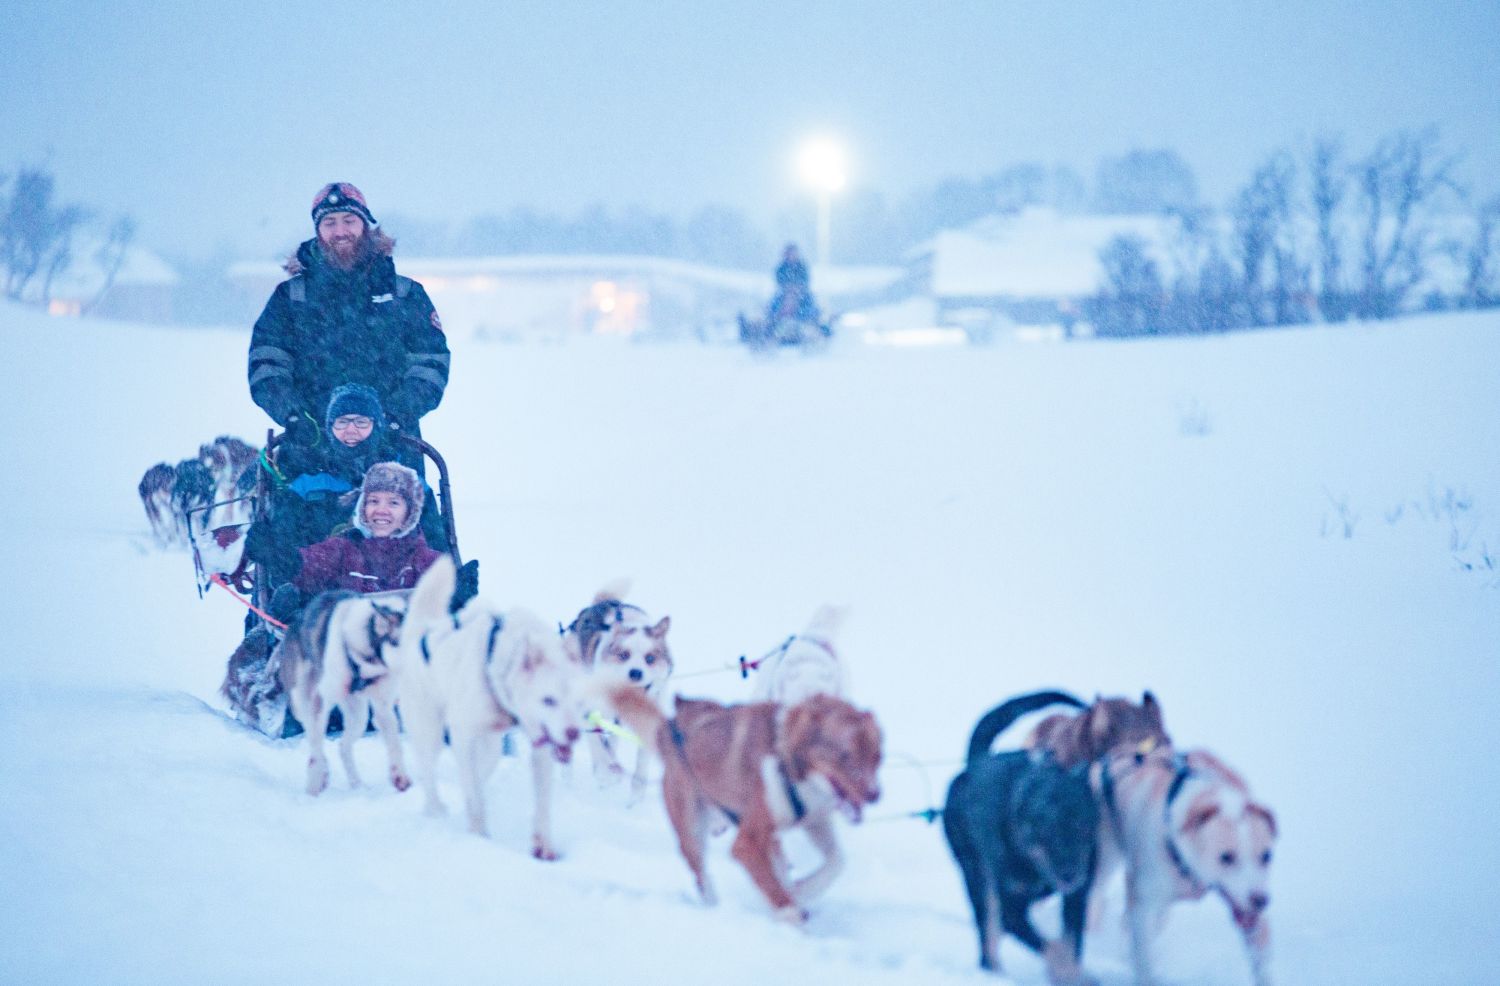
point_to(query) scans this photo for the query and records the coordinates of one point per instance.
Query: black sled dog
(1022, 828)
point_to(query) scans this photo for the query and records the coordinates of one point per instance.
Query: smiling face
(384, 513)
(351, 429)
(340, 235)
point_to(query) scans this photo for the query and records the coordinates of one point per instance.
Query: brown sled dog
(1107, 726)
(767, 768)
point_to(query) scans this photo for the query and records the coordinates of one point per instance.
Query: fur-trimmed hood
(391, 477)
(309, 256)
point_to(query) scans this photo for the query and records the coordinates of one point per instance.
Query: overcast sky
(215, 123)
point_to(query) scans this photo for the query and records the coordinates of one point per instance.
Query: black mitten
(465, 586)
(302, 430)
(286, 601)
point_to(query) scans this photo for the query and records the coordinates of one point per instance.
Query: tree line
(1321, 235)
(1316, 234)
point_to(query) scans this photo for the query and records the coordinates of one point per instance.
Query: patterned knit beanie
(355, 398)
(340, 196)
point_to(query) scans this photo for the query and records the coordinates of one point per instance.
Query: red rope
(218, 580)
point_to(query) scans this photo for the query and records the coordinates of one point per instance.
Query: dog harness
(799, 810)
(1178, 860)
(496, 625)
(358, 681)
(747, 666)
(1179, 778)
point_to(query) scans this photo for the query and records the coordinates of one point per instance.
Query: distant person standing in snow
(345, 316)
(794, 300)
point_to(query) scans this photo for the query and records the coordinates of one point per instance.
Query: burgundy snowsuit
(364, 564)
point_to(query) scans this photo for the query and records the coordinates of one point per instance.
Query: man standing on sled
(345, 348)
(345, 316)
(343, 320)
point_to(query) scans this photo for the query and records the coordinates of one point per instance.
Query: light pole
(821, 162)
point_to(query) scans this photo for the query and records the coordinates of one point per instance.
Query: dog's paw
(1063, 968)
(317, 777)
(792, 915)
(399, 780)
(540, 850)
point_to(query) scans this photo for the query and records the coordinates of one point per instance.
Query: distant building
(141, 290)
(1033, 267)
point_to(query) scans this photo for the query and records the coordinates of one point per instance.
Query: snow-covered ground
(1290, 536)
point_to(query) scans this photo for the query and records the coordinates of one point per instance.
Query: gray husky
(334, 655)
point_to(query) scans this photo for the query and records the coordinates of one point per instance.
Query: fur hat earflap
(341, 196)
(391, 477)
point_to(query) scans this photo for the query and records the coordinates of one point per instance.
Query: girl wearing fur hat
(385, 550)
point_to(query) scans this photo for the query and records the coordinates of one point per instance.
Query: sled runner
(764, 334)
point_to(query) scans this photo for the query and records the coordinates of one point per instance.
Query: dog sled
(763, 334)
(252, 681)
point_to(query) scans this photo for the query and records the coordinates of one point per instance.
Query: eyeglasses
(352, 421)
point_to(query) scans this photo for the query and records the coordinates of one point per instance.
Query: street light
(821, 162)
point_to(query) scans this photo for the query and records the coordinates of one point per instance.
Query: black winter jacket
(325, 327)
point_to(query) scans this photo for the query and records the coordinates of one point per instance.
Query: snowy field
(1291, 537)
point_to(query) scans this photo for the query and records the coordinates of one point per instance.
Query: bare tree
(1131, 299)
(35, 235)
(1481, 259)
(1329, 183)
(1274, 276)
(111, 257)
(1397, 185)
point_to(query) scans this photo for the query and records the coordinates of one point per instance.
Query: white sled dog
(620, 645)
(478, 673)
(807, 664)
(1185, 826)
(335, 655)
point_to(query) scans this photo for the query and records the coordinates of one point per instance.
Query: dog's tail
(615, 590)
(1000, 718)
(639, 713)
(429, 600)
(825, 623)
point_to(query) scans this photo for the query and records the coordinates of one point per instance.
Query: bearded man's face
(341, 234)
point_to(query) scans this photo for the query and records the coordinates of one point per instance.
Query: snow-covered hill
(1292, 537)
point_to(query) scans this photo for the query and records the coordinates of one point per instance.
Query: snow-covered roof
(85, 277)
(1034, 253)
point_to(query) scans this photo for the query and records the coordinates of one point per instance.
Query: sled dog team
(208, 484)
(1098, 788)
